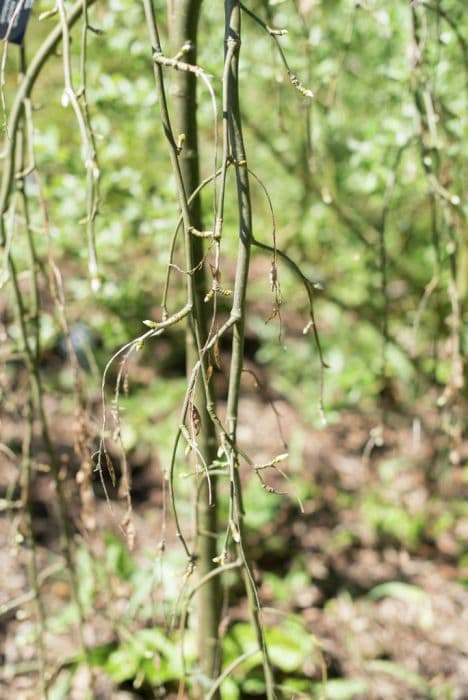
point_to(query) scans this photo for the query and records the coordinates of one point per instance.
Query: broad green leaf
(406, 592)
(123, 664)
(254, 686)
(63, 619)
(118, 559)
(340, 689)
(86, 583)
(60, 690)
(400, 672)
(414, 597)
(230, 690)
(289, 647)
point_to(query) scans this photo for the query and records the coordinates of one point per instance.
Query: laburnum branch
(45, 51)
(233, 153)
(310, 289)
(238, 155)
(443, 205)
(92, 168)
(14, 172)
(70, 96)
(275, 33)
(37, 392)
(27, 455)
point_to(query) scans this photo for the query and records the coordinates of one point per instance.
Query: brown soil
(360, 636)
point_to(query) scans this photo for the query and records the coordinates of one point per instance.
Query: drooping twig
(275, 33)
(237, 152)
(70, 96)
(44, 52)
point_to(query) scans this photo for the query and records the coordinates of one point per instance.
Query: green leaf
(254, 686)
(150, 654)
(340, 689)
(118, 559)
(411, 595)
(66, 617)
(143, 583)
(230, 690)
(289, 646)
(86, 584)
(266, 505)
(99, 655)
(397, 671)
(393, 520)
(298, 688)
(60, 690)
(122, 664)
(406, 592)
(284, 587)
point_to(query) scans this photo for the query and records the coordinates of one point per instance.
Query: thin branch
(45, 51)
(275, 33)
(229, 669)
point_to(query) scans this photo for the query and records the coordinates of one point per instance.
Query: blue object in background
(20, 10)
(84, 341)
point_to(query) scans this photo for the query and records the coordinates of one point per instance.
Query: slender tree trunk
(184, 25)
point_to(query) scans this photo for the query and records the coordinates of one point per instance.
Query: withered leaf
(217, 354)
(110, 468)
(195, 419)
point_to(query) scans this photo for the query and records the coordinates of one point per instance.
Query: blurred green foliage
(328, 165)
